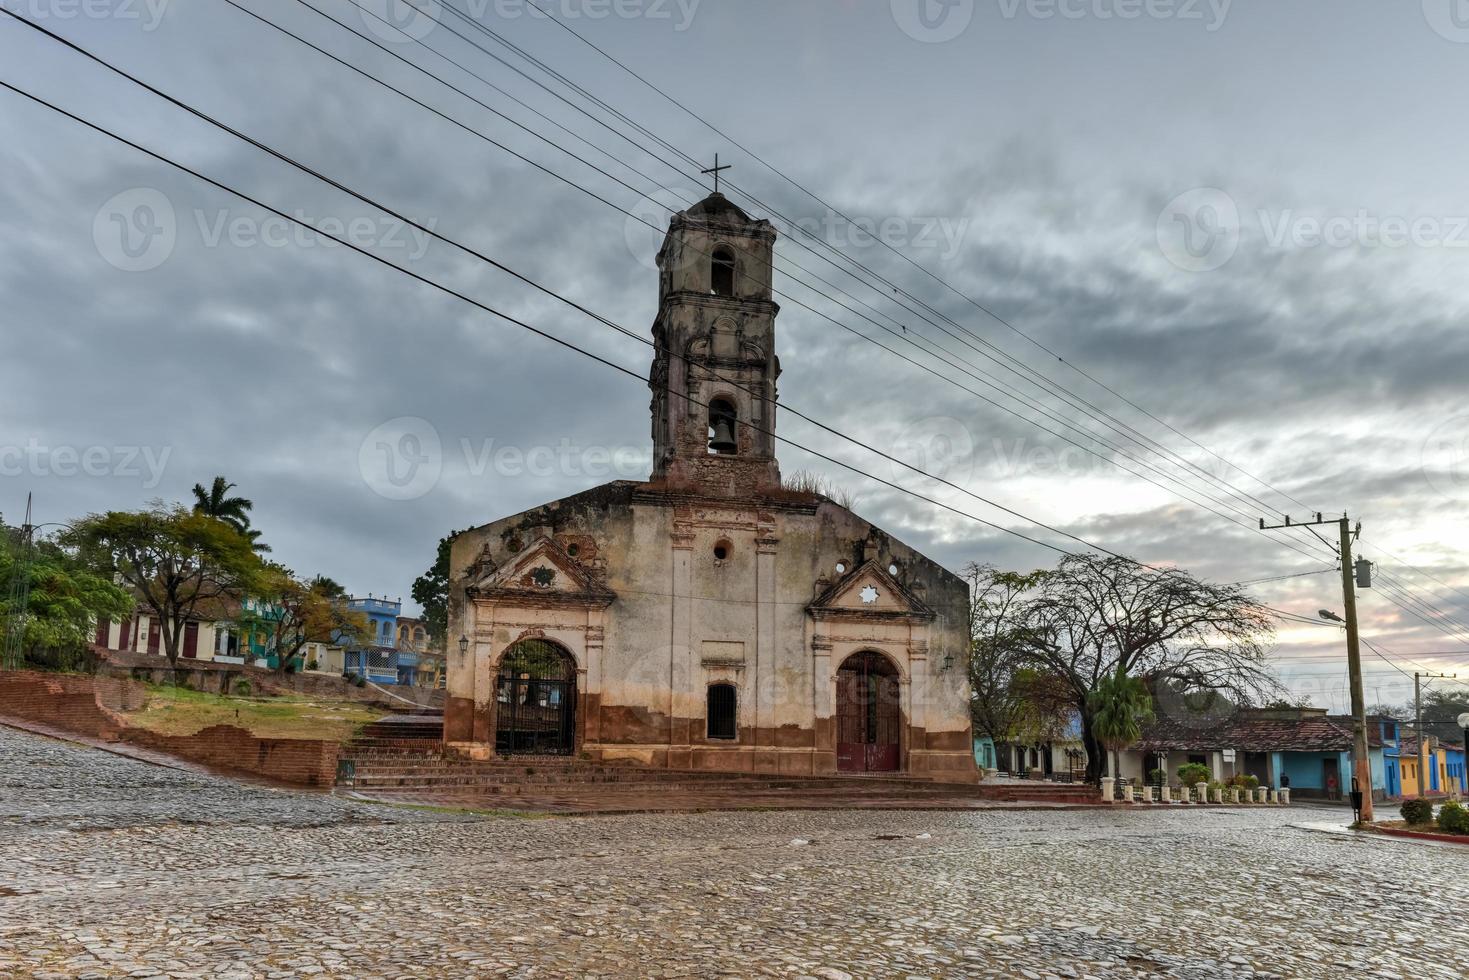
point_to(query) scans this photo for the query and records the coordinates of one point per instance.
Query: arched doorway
(535, 700)
(869, 717)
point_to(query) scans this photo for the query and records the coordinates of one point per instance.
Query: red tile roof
(1250, 731)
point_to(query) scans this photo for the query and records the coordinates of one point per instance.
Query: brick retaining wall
(88, 706)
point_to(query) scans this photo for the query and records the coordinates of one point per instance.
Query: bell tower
(715, 369)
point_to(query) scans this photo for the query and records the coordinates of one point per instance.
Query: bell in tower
(714, 367)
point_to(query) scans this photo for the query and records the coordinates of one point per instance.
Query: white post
(1234, 794)
(1127, 793)
(1285, 797)
(1107, 796)
(1165, 794)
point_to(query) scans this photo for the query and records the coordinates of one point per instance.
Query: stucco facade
(710, 589)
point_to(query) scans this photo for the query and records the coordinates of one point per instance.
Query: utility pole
(1418, 727)
(1361, 761)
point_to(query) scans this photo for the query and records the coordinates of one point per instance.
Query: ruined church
(708, 618)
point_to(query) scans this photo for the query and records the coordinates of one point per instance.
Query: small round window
(841, 568)
(893, 569)
(722, 550)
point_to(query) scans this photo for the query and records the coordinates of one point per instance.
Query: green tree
(431, 591)
(178, 563)
(1096, 614)
(1120, 707)
(328, 587)
(1010, 700)
(304, 612)
(216, 502)
(66, 599)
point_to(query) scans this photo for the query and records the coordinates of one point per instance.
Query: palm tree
(1120, 706)
(216, 502)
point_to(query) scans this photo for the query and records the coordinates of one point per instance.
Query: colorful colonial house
(377, 659)
(1304, 748)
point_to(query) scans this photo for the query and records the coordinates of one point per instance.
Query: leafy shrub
(1252, 782)
(312, 665)
(1417, 812)
(242, 686)
(360, 681)
(1157, 777)
(1453, 818)
(1193, 773)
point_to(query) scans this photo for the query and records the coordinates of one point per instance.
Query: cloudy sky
(1246, 220)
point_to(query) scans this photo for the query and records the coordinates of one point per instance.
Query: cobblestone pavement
(114, 868)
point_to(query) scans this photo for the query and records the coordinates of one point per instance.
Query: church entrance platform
(557, 784)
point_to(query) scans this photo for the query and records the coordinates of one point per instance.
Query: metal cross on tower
(715, 170)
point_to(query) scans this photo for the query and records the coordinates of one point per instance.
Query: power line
(947, 356)
(1048, 387)
(904, 257)
(551, 337)
(621, 210)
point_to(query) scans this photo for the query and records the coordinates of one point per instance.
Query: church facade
(709, 618)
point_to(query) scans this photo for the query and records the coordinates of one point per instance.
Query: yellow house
(1437, 773)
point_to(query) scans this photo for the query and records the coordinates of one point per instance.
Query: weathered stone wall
(684, 619)
(90, 706)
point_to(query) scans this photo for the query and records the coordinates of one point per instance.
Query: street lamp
(463, 645)
(1329, 616)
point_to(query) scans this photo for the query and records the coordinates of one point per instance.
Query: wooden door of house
(868, 715)
(1331, 778)
(155, 635)
(191, 640)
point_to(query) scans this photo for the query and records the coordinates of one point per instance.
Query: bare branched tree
(1094, 615)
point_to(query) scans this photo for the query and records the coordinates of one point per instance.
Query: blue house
(376, 661)
(1303, 748)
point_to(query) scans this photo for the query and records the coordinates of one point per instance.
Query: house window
(721, 711)
(722, 271)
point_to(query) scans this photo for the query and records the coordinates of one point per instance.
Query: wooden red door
(868, 717)
(155, 635)
(191, 640)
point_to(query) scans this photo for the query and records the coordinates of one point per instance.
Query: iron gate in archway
(535, 700)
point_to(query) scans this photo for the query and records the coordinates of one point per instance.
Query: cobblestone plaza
(114, 868)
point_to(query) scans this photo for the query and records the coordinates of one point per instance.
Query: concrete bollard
(1216, 795)
(1147, 794)
(1165, 794)
(1285, 797)
(1127, 794)
(1275, 796)
(1262, 795)
(1234, 794)
(1107, 787)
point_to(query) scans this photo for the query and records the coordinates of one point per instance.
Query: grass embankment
(181, 711)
